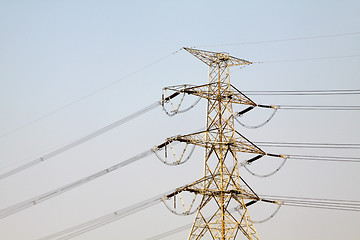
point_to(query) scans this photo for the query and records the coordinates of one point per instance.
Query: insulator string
(177, 161)
(270, 217)
(176, 109)
(269, 174)
(185, 213)
(256, 126)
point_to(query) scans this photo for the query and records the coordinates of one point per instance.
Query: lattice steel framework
(222, 185)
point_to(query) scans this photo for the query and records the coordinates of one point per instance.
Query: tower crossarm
(213, 58)
(241, 193)
(201, 187)
(208, 138)
(210, 92)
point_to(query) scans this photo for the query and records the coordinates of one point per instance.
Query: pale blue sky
(55, 52)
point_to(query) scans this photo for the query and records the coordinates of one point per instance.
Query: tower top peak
(216, 58)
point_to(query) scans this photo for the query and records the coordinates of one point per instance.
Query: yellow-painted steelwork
(222, 185)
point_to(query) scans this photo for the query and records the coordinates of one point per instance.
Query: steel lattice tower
(222, 185)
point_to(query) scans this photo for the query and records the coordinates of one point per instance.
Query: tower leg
(223, 225)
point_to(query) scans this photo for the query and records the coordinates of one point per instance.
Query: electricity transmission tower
(221, 187)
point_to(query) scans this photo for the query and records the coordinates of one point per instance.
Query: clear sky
(53, 53)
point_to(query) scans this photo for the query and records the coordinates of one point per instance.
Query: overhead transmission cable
(103, 220)
(324, 158)
(304, 92)
(171, 232)
(308, 145)
(161, 59)
(317, 108)
(298, 157)
(88, 95)
(285, 39)
(173, 53)
(188, 226)
(108, 218)
(307, 107)
(310, 158)
(310, 59)
(81, 140)
(175, 230)
(328, 204)
(53, 193)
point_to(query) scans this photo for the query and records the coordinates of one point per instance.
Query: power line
(324, 158)
(295, 146)
(327, 204)
(310, 198)
(285, 39)
(152, 106)
(25, 204)
(187, 226)
(11, 165)
(309, 158)
(305, 92)
(81, 140)
(171, 232)
(108, 218)
(321, 108)
(310, 59)
(103, 220)
(309, 145)
(87, 96)
(321, 206)
(53, 193)
(149, 65)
